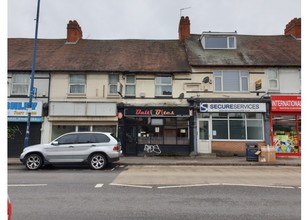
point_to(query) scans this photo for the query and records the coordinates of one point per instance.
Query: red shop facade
(285, 122)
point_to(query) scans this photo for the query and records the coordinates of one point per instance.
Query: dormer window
(218, 41)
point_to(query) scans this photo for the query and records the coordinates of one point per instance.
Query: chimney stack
(184, 29)
(293, 28)
(74, 32)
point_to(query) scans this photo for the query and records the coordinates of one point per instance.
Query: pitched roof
(98, 55)
(279, 50)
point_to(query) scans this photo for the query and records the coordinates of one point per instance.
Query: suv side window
(67, 139)
(85, 138)
(101, 138)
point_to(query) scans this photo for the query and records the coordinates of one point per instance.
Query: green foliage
(12, 131)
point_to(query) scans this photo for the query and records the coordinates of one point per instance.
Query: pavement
(199, 160)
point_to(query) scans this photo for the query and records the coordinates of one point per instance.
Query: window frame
(113, 84)
(26, 84)
(275, 79)
(82, 84)
(161, 85)
(228, 42)
(220, 86)
(130, 84)
(227, 120)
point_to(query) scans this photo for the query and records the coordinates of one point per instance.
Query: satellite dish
(206, 79)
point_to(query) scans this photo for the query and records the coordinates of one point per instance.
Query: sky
(149, 19)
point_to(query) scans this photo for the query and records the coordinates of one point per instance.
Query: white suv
(94, 148)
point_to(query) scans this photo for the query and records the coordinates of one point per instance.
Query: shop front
(67, 117)
(225, 127)
(17, 123)
(285, 123)
(155, 130)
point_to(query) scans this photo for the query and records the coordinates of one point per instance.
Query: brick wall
(231, 148)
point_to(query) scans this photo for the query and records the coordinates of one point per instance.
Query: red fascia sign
(286, 103)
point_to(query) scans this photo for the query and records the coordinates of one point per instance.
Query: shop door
(131, 140)
(204, 142)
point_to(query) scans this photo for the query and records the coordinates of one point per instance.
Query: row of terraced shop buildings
(208, 93)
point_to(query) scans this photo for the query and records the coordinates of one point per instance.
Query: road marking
(27, 185)
(183, 186)
(264, 186)
(128, 185)
(99, 185)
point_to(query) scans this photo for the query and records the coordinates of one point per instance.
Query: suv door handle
(71, 146)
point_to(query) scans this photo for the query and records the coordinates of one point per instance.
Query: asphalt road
(156, 192)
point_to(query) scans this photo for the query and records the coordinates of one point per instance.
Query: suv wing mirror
(55, 143)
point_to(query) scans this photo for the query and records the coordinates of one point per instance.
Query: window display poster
(285, 143)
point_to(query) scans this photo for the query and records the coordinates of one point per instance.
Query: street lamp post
(29, 109)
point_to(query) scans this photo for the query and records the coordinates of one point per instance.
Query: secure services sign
(232, 107)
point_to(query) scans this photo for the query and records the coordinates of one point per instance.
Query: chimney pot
(184, 29)
(293, 28)
(74, 32)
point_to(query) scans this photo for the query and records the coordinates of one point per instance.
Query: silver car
(94, 148)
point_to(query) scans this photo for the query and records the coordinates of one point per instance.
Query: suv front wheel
(34, 161)
(98, 161)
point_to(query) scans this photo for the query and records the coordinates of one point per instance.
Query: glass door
(204, 142)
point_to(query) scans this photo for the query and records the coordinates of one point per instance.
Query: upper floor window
(77, 84)
(163, 86)
(20, 84)
(231, 81)
(218, 40)
(273, 83)
(113, 84)
(130, 85)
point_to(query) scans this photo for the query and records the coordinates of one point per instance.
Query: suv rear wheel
(98, 161)
(34, 161)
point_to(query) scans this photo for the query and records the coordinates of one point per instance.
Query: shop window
(104, 128)
(171, 131)
(286, 133)
(20, 84)
(81, 128)
(182, 133)
(77, 84)
(220, 129)
(237, 129)
(254, 130)
(58, 130)
(237, 126)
